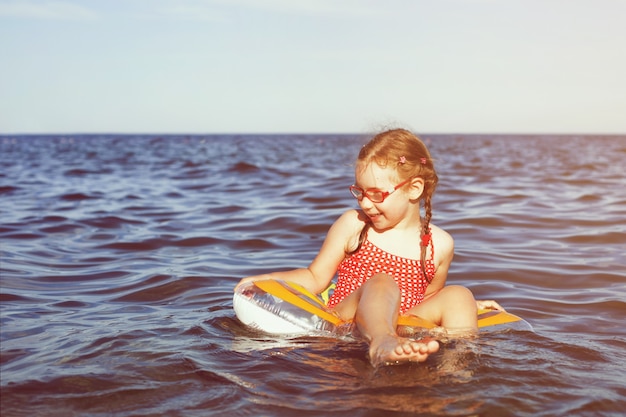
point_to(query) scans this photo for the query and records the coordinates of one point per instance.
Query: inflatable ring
(286, 308)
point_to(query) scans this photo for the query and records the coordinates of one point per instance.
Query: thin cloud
(329, 8)
(189, 12)
(314, 7)
(226, 10)
(45, 10)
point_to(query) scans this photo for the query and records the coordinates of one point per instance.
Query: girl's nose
(366, 203)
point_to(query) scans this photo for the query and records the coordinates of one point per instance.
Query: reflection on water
(119, 255)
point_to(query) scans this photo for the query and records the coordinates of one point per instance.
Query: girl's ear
(417, 188)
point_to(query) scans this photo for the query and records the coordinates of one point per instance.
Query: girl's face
(400, 207)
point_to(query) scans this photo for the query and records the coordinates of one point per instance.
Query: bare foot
(394, 349)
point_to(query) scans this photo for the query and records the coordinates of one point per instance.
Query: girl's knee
(381, 281)
(459, 293)
(463, 300)
(381, 286)
(459, 313)
(381, 278)
(458, 298)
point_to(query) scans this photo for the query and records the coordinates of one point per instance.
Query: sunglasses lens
(356, 193)
(375, 196)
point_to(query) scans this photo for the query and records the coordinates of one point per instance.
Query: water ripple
(119, 255)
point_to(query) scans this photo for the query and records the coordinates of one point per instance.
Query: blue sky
(320, 66)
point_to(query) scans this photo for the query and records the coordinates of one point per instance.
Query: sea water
(119, 254)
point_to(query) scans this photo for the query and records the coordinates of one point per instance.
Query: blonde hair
(404, 151)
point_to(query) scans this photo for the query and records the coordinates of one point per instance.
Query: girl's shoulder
(351, 221)
(353, 216)
(443, 242)
(349, 226)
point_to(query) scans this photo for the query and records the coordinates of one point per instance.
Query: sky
(312, 66)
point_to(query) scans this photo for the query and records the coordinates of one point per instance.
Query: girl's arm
(321, 271)
(444, 252)
(444, 245)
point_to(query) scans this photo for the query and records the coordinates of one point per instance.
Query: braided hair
(402, 150)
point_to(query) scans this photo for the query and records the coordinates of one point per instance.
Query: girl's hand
(488, 305)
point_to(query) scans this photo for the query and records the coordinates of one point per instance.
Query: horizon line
(529, 133)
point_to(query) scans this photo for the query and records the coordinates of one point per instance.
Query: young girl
(390, 259)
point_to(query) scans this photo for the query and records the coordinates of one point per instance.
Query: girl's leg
(375, 308)
(453, 308)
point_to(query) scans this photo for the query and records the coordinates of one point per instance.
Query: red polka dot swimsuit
(370, 260)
